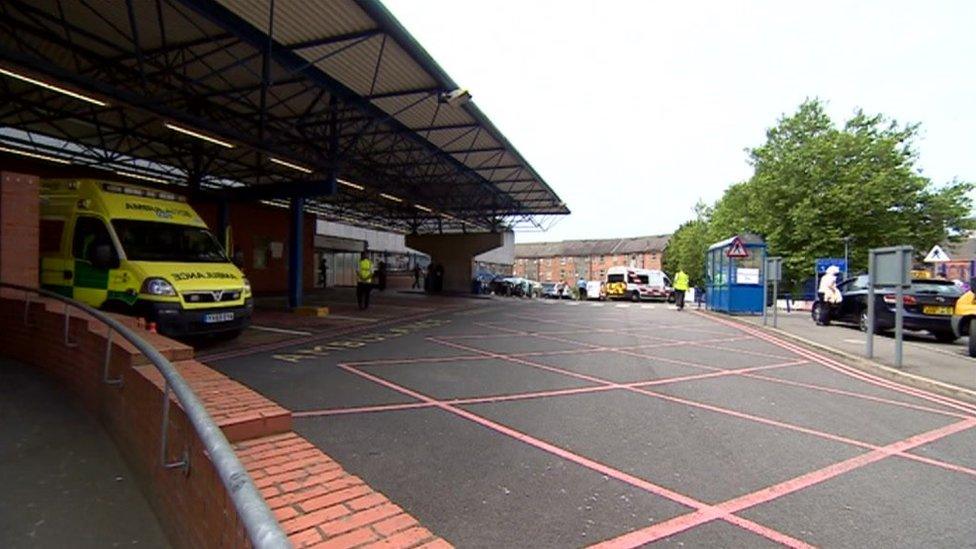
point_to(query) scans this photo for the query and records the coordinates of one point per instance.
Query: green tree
(687, 246)
(815, 182)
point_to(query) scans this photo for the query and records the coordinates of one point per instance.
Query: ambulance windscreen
(169, 242)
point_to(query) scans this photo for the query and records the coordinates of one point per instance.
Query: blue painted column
(295, 249)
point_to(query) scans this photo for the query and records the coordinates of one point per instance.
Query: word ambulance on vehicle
(141, 252)
(637, 284)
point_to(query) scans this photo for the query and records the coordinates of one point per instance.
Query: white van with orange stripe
(637, 284)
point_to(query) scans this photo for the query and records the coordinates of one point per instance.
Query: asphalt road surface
(516, 423)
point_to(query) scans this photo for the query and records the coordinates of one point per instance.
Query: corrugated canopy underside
(334, 86)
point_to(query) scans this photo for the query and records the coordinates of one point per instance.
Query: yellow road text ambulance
(141, 252)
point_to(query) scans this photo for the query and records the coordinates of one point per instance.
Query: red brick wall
(563, 269)
(315, 499)
(19, 229)
(194, 508)
(253, 222)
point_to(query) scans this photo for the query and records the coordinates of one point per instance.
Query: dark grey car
(928, 306)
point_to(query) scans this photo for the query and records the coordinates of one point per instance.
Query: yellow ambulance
(141, 252)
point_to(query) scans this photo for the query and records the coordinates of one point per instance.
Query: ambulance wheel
(635, 296)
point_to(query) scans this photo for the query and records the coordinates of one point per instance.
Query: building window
(562, 260)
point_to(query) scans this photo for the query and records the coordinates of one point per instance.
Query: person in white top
(828, 294)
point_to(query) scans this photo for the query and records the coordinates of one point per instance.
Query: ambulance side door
(93, 254)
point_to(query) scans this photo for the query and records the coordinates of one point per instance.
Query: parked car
(550, 290)
(566, 291)
(594, 290)
(501, 285)
(929, 305)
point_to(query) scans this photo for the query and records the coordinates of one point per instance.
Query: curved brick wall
(317, 502)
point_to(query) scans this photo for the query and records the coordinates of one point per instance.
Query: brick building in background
(571, 259)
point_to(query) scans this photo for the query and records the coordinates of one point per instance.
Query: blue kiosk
(734, 271)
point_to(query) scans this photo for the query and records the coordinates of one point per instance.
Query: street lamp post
(847, 242)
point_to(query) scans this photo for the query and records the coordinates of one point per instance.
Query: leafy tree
(687, 246)
(815, 183)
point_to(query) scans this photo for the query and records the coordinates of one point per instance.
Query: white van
(637, 284)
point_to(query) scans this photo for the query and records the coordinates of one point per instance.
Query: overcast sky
(632, 111)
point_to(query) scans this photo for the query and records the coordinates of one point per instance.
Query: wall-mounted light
(35, 155)
(198, 135)
(391, 197)
(295, 167)
(143, 177)
(350, 184)
(54, 88)
(423, 208)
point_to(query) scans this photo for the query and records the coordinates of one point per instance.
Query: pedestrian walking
(323, 271)
(828, 296)
(438, 278)
(418, 273)
(581, 286)
(680, 287)
(381, 276)
(364, 281)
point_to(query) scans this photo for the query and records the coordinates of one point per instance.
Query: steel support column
(295, 249)
(223, 223)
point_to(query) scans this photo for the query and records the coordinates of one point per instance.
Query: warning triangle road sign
(737, 249)
(937, 255)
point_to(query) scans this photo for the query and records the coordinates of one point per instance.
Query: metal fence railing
(262, 528)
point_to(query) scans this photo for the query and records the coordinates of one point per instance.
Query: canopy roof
(269, 100)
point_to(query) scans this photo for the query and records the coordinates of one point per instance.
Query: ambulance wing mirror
(104, 258)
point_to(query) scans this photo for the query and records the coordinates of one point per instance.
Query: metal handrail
(262, 528)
